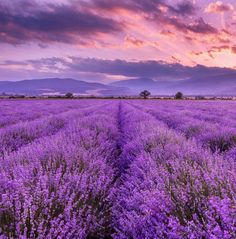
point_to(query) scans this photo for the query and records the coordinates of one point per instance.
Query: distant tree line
(145, 94)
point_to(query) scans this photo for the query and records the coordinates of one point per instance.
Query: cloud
(184, 8)
(219, 7)
(167, 32)
(222, 48)
(175, 59)
(217, 49)
(109, 28)
(89, 22)
(151, 69)
(133, 42)
(142, 6)
(199, 26)
(99, 69)
(160, 12)
(108, 67)
(233, 49)
(51, 23)
(126, 68)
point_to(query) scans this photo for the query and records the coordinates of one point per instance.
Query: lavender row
(219, 137)
(15, 136)
(213, 111)
(59, 187)
(12, 112)
(170, 188)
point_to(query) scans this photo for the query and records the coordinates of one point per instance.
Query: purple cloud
(184, 8)
(75, 23)
(51, 23)
(149, 69)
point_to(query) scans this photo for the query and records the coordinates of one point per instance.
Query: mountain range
(224, 84)
(56, 86)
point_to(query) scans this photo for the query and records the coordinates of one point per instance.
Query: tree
(179, 96)
(145, 94)
(69, 95)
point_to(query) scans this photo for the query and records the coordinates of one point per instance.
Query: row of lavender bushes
(211, 127)
(171, 187)
(13, 112)
(58, 186)
(14, 136)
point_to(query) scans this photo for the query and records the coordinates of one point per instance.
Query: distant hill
(59, 86)
(139, 84)
(219, 84)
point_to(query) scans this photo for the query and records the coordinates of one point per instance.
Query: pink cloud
(219, 7)
(233, 49)
(133, 42)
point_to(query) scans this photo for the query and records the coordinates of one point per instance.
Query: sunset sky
(109, 40)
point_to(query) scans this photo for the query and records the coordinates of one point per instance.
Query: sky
(111, 40)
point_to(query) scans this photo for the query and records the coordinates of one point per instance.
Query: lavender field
(117, 169)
